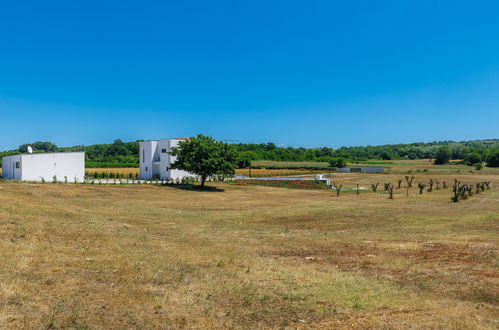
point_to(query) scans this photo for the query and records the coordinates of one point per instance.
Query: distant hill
(126, 154)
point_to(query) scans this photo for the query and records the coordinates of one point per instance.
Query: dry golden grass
(89, 256)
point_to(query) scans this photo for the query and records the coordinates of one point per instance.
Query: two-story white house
(155, 160)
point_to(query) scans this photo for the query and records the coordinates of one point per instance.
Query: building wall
(147, 154)
(34, 167)
(9, 170)
(64, 165)
(155, 160)
(175, 174)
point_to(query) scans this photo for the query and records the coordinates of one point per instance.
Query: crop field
(123, 171)
(232, 256)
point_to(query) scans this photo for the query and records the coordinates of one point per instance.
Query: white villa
(62, 166)
(155, 160)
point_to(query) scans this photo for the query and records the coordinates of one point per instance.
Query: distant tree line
(122, 154)
(471, 152)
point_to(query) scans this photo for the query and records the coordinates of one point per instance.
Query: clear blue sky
(299, 73)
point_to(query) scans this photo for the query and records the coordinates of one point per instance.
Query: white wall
(9, 170)
(151, 151)
(176, 174)
(147, 151)
(70, 165)
(34, 167)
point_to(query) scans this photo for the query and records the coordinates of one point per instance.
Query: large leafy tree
(493, 159)
(443, 155)
(205, 157)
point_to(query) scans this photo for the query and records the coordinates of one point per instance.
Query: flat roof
(183, 138)
(46, 153)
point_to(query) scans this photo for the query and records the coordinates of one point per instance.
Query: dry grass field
(137, 256)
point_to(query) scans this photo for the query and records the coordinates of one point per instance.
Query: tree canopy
(443, 155)
(126, 154)
(205, 157)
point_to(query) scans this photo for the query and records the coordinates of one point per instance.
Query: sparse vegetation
(421, 187)
(139, 256)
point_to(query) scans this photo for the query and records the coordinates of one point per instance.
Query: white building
(155, 160)
(33, 167)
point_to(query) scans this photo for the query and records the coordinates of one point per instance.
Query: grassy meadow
(137, 256)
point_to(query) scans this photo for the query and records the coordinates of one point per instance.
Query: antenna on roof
(30, 150)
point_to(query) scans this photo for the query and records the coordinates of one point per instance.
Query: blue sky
(298, 73)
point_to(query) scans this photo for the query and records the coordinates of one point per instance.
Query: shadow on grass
(193, 187)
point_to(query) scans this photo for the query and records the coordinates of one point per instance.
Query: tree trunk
(203, 180)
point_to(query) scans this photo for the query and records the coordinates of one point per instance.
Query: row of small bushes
(111, 175)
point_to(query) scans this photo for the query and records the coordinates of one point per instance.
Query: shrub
(409, 180)
(443, 155)
(338, 188)
(473, 159)
(337, 162)
(478, 166)
(390, 191)
(493, 159)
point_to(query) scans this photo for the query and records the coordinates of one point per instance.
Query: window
(147, 169)
(163, 151)
(143, 156)
(18, 164)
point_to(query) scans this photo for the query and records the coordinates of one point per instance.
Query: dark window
(163, 151)
(18, 164)
(146, 169)
(143, 155)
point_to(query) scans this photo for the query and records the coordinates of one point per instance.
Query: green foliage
(205, 157)
(385, 155)
(337, 162)
(473, 159)
(493, 159)
(38, 147)
(478, 166)
(443, 155)
(244, 159)
(126, 154)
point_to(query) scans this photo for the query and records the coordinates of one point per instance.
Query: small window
(144, 156)
(18, 164)
(163, 151)
(147, 169)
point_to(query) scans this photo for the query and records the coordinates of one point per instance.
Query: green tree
(244, 159)
(204, 156)
(473, 159)
(337, 162)
(385, 155)
(38, 146)
(493, 159)
(442, 156)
